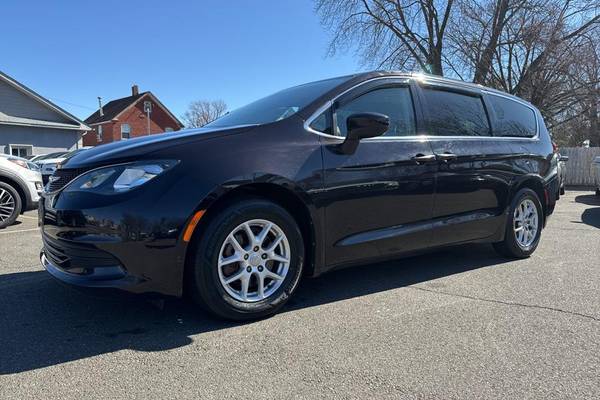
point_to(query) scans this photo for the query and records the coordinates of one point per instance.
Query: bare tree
(545, 51)
(405, 34)
(202, 112)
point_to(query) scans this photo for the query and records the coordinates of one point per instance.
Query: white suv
(20, 187)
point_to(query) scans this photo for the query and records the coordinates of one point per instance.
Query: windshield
(277, 106)
(49, 156)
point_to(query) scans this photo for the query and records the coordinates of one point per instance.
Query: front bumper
(125, 245)
(107, 277)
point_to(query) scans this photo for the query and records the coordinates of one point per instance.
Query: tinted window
(321, 123)
(513, 118)
(454, 114)
(279, 105)
(396, 103)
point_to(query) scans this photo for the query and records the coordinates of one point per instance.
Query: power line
(71, 104)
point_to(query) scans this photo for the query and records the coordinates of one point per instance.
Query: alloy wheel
(254, 260)
(525, 223)
(7, 205)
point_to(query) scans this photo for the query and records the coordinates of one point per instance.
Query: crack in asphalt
(507, 303)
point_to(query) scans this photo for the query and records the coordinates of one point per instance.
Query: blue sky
(238, 51)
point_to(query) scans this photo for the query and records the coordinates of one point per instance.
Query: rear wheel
(10, 205)
(248, 261)
(524, 226)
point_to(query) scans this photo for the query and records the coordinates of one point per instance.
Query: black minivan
(343, 171)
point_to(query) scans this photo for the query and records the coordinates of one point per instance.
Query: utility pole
(148, 110)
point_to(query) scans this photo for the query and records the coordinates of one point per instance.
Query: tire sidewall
(206, 273)
(511, 240)
(17, 210)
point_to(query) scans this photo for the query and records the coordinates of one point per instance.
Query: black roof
(112, 109)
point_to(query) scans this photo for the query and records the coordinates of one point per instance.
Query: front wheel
(10, 205)
(248, 261)
(524, 226)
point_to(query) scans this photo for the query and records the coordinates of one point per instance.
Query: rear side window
(395, 102)
(513, 118)
(455, 114)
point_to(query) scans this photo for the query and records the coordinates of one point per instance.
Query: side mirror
(362, 126)
(563, 158)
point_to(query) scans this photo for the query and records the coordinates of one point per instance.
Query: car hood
(127, 150)
(49, 161)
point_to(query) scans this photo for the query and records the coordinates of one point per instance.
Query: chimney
(100, 106)
(135, 90)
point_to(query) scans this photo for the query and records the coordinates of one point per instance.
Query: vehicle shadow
(44, 323)
(588, 199)
(591, 216)
(17, 222)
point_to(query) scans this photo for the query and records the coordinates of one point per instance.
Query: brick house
(127, 118)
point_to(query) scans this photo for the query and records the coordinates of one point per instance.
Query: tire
(208, 279)
(10, 205)
(512, 246)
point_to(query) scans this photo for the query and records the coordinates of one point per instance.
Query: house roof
(114, 108)
(12, 120)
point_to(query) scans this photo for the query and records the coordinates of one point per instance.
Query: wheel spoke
(263, 234)
(234, 242)
(275, 243)
(250, 234)
(272, 275)
(236, 257)
(277, 257)
(245, 279)
(261, 286)
(235, 277)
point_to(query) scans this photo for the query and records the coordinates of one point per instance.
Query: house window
(125, 131)
(99, 133)
(21, 150)
(168, 129)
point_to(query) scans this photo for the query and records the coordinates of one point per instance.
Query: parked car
(20, 185)
(596, 168)
(41, 157)
(562, 173)
(333, 173)
(49, 164)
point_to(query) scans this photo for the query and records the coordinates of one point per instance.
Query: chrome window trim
(523, 103)
(404, 79)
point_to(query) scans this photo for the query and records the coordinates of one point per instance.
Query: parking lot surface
(460, 323)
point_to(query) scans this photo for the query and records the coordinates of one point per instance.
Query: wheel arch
(536, 184)
(292, 200)
(19, 188)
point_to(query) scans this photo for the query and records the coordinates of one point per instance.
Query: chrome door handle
(424, 158)
(446, 156)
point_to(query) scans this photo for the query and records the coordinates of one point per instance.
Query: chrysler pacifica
(343, 171)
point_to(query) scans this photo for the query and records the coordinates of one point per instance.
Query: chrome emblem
(53, 178)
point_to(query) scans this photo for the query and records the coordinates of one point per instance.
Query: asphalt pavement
(462, 323)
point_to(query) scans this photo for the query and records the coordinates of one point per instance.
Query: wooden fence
(580, 171)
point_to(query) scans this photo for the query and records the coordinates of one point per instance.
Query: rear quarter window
(455, 114)
(513, 119)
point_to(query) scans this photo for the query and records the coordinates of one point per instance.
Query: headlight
(119, 178)
(49, 168)
(19, 162)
